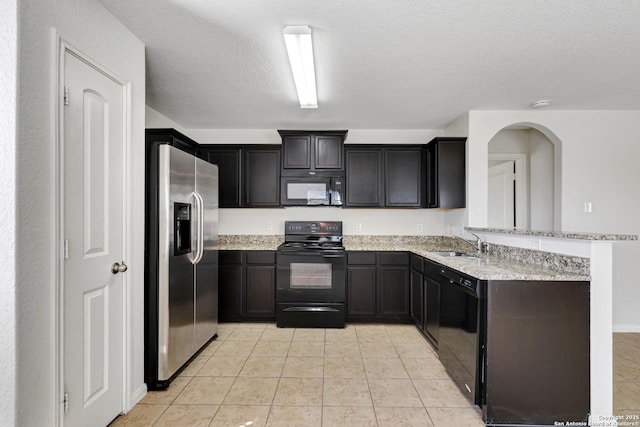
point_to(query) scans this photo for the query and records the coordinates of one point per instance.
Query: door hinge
(65, 402)
(66, 95)
(66, 248)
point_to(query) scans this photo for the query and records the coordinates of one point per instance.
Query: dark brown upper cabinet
(249, 175)
(446, 183)
(312, 152)
(174, 138)
(261, 179)
(364, 178)
(385, 176)
(404, 176)
(229, 163)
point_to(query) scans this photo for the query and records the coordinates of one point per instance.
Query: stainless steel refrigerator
(181, 295)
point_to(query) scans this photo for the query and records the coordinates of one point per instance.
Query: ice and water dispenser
(182, 228)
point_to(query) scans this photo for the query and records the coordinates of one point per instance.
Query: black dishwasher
(462, 331)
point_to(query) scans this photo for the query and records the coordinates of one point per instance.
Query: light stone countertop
(557, 234)
(485, 267)
(251, 242)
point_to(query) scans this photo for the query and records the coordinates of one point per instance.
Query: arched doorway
(524, 178)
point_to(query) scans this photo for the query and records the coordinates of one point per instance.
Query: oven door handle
(311, 309)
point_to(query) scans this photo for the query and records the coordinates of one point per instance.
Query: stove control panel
(333, 228)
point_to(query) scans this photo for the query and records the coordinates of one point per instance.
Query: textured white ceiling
(384, 64)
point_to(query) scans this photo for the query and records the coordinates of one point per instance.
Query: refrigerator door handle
(195, 229)
(199, 232)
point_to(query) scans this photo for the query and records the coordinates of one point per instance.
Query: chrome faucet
(479, 246)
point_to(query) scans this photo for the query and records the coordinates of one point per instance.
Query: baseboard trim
(626, 328)
(138, 395)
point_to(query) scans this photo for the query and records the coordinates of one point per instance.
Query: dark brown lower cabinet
(378, 288)
(417, 297)
(230, 292)
(230, 297)
(425, 296)
(394, 292)
(261, 290)
(247, 285)
(361, 291)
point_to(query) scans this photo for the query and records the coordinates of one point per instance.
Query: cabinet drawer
(416, 263)
(261, 257)
(394, 258)
(230, 257)
(362, 258)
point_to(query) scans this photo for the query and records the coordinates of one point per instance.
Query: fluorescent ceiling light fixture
(300, 50)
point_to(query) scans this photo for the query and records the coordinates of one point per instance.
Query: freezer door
(175, 269)
(207, 268)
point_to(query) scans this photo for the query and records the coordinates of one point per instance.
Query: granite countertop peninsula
(502, 264)
(556, 234)
(484, 267)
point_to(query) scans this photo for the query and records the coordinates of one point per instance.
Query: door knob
(118, 268)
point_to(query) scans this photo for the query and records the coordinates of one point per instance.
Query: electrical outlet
(450, 229)
(588, 207)
(358, 227)
(269, 226)
(419, 228)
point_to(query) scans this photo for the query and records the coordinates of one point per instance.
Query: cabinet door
(451, 174)
(403, 178)
(229, 184)
(296, 152)
(328, 152)
(432, 175)
(394, 292)
(432, 307)
(364, 183)
(417, 298)
(262, 177)
(230, 292)
(446, 181)
(361, 291)
(261, 290)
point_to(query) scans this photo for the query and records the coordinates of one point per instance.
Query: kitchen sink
(454, 254)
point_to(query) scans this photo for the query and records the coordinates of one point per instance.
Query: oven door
(308, 277)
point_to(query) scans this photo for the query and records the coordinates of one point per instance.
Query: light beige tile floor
(384, 375)
(626, 374)
(255, 374)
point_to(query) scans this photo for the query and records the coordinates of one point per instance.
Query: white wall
(8, 76)
(598, 163)
(154, 119)
(87, 25)
(541, 181)
(354, 136)
(402, 222)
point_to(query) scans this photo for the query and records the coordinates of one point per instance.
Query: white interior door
(93, 300)
(501, 195)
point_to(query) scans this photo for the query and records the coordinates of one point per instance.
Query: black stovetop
(312, 236)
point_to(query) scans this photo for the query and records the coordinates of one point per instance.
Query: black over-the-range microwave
(311, 191)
